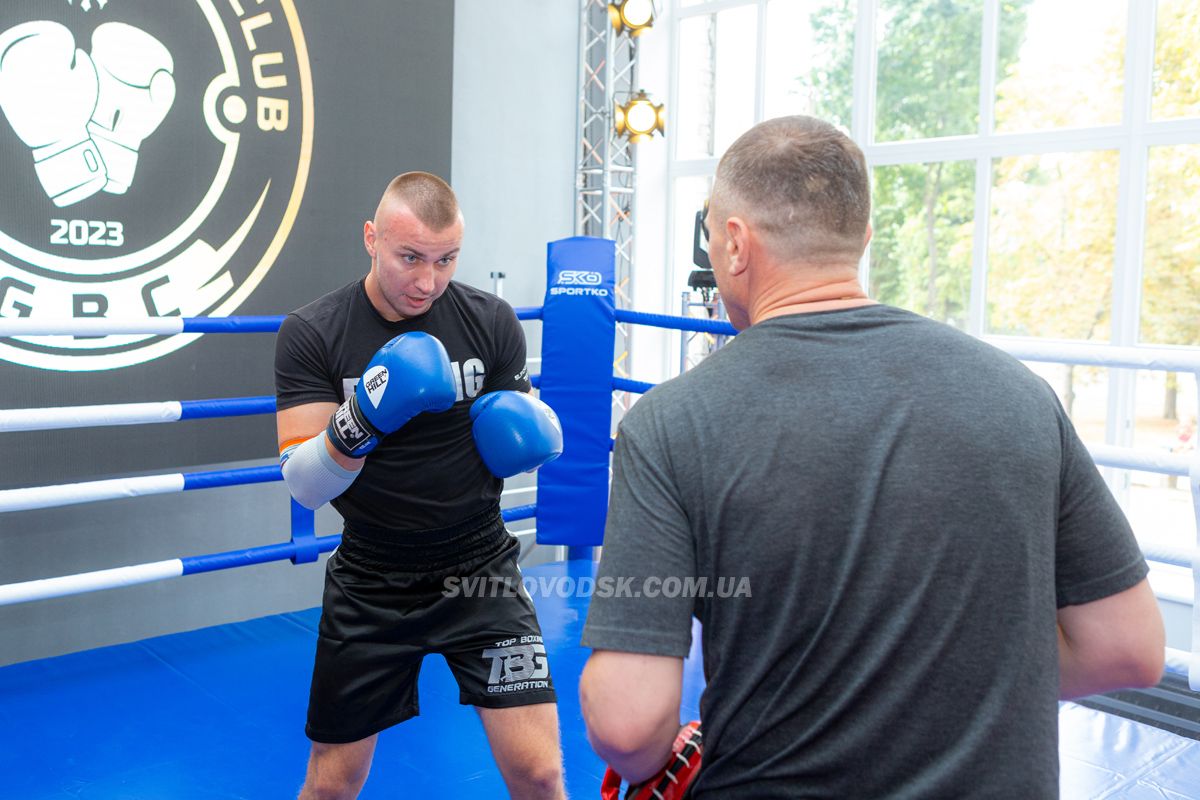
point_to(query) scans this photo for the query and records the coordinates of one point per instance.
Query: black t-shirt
(428, 474)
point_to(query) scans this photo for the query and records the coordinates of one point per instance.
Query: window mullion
(1131, 199)
(862, 106)
(862, 110)
(987, 67)
(977, 309)
(977, 303)
(760, 72)
(1131, 216)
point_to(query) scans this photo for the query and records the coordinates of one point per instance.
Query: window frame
(1132, 139)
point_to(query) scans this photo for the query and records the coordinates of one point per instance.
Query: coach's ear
(737, 245)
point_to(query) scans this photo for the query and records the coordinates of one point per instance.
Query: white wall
(654, 353)
(512, 153)
(513, 147)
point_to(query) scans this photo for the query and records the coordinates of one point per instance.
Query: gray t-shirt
(909, 507)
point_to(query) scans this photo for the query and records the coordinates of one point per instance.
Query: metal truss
(604, 176)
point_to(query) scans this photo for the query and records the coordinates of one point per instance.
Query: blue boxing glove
(408, 375)
(515, 432)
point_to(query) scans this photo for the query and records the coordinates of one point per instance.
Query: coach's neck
(779, 289)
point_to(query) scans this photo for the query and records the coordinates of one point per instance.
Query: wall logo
(153, 158)
(579, 282)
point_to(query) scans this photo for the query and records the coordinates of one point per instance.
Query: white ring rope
(98, 326)
(49, 419)
(67, 494)
(80, 583)
(1099, 355)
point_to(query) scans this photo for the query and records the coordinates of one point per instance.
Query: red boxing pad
(669, 783)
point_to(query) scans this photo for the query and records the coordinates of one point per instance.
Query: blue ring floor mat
(218, 714)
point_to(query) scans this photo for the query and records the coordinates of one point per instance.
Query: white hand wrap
(311, 474)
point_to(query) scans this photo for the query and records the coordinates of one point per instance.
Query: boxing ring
(219, 712)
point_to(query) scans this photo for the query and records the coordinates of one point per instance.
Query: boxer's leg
(525, 744)
(364, 675)
(338, 771)
(495, 649)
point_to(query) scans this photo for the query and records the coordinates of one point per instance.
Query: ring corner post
(304, 534)
(579, 331)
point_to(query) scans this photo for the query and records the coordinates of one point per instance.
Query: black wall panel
(380, 101)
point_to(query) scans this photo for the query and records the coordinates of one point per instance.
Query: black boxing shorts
(390, 600)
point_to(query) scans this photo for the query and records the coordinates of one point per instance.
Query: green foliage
(1051, 245)
(833, 34)
(1171, 270)
(928, 68)
(1078, 84)
(1176, 69)
(914, 264)
(1053, 227)
(928, 86)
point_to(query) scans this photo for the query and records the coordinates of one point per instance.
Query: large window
(1035, 173)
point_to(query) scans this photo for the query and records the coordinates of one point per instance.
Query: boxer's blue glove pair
(410, 374)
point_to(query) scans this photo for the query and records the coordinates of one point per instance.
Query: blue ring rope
(281, 552)
(232, 324)
(676, 323)
(227, 407)
(519, 512)
(252, 555)
(626, 385)
(270, 324)
(231, 477)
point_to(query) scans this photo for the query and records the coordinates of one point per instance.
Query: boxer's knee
(524, 742)
(337, 771)
(540, 778)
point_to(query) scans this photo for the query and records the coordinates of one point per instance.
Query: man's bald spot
(428, 197)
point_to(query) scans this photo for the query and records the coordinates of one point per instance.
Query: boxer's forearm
(315, 474)
(342, 460)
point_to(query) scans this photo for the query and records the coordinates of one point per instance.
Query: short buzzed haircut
(802, 183)
(429, 197)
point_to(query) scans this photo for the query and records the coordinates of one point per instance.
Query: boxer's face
(412, 265)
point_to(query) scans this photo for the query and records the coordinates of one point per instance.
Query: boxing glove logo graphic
(136, 90)
(84, 116)
(48, 90)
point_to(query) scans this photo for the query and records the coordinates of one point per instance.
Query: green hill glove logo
(153, 157)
